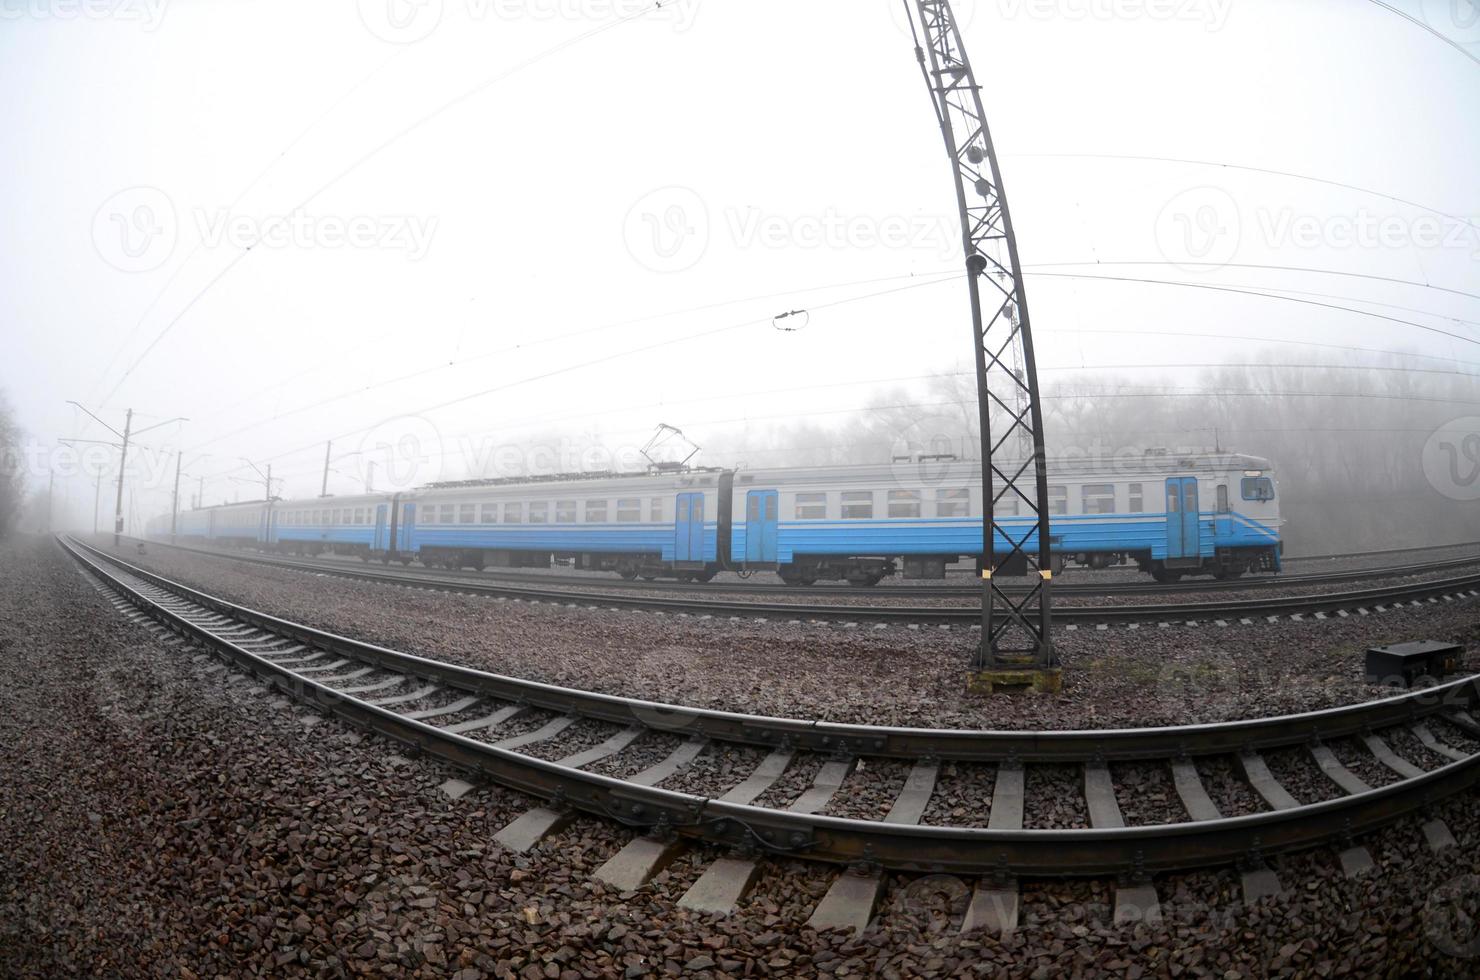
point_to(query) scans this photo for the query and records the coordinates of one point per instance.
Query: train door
(381, 540)
(1182, 518)
(688, 544)
(403, 533)
(760, 526)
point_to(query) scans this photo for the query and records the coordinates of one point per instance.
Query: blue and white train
(1169, 514)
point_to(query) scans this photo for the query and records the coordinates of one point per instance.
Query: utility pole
(1016, 648)
(175, 501)
(97, 498)
(128, 425)
(200, 493)
(125, 435)
(324, 488)
(51, 483)
(370, 482)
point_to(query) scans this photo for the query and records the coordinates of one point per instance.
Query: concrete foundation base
(1012, 680)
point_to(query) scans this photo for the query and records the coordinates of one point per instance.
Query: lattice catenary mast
(1016, 647)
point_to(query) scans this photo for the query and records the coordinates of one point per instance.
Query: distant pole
(200, 493)
(51, 483)
(370, 482)
(324, 488)
(175, 501)
(128, 424)
(97, 499)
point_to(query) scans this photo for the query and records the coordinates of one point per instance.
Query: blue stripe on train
(962, 536)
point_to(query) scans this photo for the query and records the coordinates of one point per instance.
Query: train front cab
(1229, 539)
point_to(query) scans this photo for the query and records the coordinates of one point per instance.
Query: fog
(516, 238)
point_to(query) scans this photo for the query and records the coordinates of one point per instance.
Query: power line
(456, 100)
(1256, 265)
(458, 362)
(237, 200)
(604, 359)
(1425, 27)
(1258, 170)
(1260, 293)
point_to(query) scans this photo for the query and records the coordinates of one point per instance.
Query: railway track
(1221, 613)
(518, 733)
(969, 589)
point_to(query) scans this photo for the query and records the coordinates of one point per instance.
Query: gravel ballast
(1112, 678)
(157, 819)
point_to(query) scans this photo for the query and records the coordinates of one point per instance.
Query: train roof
(934, 469)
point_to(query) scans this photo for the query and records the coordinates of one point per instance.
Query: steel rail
(946, 615)
(910, 591)
(838, 738)
(1134, 851)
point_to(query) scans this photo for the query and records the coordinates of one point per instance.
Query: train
(1168, 514)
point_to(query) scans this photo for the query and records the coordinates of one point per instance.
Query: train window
(565, 512)
(539, 512)
(596, 511)
(466, 514)
(904, 503)
(629, 509)
(1006, 505)
(447, 514)
(858, 505)
(1098, 498)
(1137, 499)
(513, 513)
(359, 515)
(1058, 500)
(488, 513)
(811, 506)
(1174, 498)
(1222, 498)
(952, 503)
(655, 510)
(1258, 488)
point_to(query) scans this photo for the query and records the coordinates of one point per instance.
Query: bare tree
(12, 473)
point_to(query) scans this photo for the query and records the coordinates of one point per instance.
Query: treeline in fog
(1368, 455)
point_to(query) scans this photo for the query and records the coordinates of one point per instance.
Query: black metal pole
(1015, 630)
(128, 423)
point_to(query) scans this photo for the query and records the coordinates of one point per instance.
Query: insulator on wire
(794, 326)
(974, 153)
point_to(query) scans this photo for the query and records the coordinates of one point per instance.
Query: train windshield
(1258, 488)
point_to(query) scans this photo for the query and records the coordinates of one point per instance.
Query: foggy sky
(595, 236)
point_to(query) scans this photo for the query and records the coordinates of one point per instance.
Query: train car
(672, 523)
(1172, 515)
(237, 525)
(344, 525)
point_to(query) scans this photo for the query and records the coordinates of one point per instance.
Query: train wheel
(627, 573)
(1165, 577)
(707, 577)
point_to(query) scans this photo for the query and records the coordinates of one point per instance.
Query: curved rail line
(1245, 611)
(344, 677)
(963, 590)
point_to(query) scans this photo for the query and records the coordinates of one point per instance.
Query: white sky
(676, 180)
